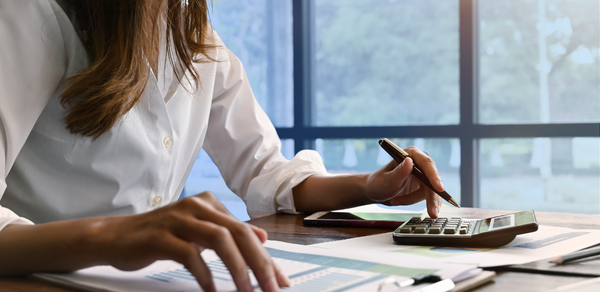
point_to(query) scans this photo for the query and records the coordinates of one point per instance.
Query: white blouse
(143, 162)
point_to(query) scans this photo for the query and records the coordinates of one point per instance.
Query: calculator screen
(503, 221)
(506, 221)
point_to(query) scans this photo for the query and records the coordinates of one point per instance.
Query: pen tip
(454, 203)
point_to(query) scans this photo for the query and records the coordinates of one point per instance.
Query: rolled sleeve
(271, 192)
(8, 217)
(244, 145)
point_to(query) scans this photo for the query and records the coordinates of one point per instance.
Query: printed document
(547, 242)
(309, 268)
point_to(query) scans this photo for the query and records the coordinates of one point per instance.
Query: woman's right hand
(179, 232)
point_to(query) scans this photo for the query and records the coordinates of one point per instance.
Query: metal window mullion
(303, 34)
(447, 131)
(468, 56)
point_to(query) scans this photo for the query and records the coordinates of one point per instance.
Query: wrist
(94, 240)
(363, 183)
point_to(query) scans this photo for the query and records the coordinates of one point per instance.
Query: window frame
(468, 131)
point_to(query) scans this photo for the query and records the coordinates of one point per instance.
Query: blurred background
(503, 94)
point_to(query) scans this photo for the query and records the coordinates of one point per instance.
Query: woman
(104, 105)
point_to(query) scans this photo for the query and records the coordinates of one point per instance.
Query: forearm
(174, 232)
(320, 193)
(53, 247)
(391, 185)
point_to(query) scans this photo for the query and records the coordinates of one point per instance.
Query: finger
(213, 201)
(282, 279)
(241, 238)
(390, 166)
(433, 204)
(399, 179)
(261, 233)
(218, 238)
(404, 169)
(188, 255)
(427, 165)
(256, 256)
(403, 182)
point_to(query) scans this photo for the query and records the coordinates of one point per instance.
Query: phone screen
(396, 217)
(358, 219)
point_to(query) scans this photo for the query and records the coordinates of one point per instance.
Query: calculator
(461, 232)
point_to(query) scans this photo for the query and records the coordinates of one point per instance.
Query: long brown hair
(121, 37)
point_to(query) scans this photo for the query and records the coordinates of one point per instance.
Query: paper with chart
(547, 242)
(309, 268)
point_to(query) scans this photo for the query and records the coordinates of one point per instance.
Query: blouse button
(167, 142)
(156, 201)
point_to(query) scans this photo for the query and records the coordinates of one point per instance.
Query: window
(259, 33)
(503, 94)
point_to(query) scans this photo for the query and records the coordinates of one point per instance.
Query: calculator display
(503, 221)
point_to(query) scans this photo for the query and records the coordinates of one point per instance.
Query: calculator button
(435, 229)
(406, 229)
(450, 230)
(421, 229)
(414, 221)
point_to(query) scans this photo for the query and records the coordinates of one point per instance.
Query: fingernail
(442, 184)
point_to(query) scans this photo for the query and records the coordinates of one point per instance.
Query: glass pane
(539, 61)
(259, 33)
(205, 177)
(543, 174)
(386, 62)
(365, 155)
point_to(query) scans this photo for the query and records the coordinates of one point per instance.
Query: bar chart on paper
(307, 272)
(309, 269)
(316, 279)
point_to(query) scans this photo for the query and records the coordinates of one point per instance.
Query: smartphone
(359, 219)
(493, 231)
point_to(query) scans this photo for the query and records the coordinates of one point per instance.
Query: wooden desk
(289, 228)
